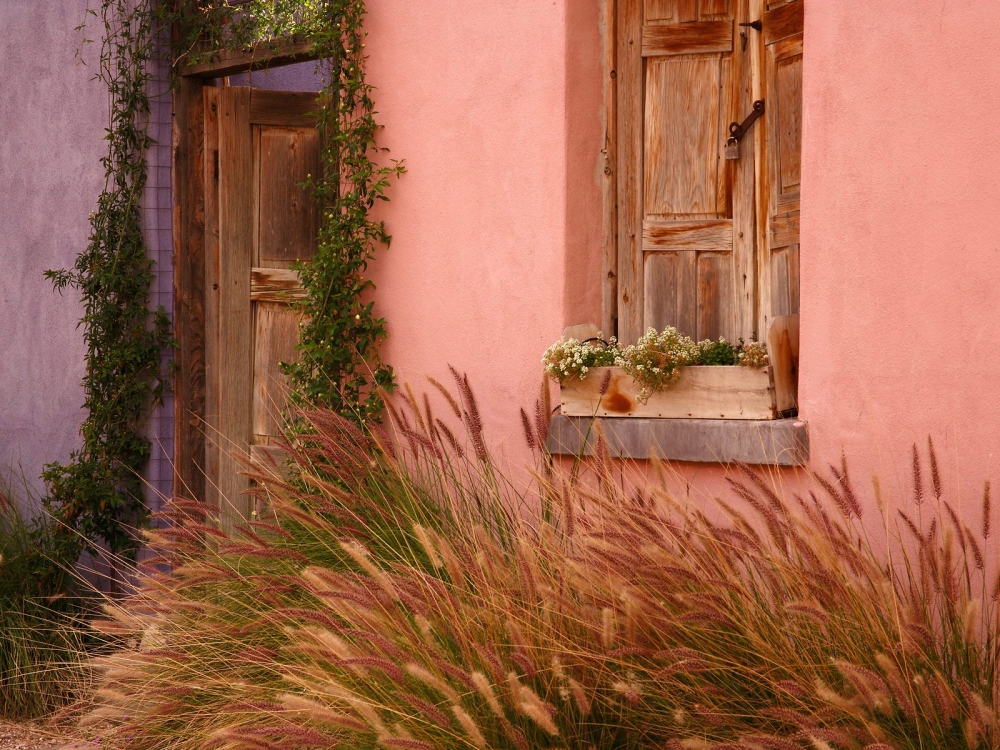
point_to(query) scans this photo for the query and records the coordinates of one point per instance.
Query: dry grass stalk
(400, 599)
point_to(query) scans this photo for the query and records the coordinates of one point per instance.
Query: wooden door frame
(190, 246)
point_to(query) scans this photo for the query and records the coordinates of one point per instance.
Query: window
(706, 244)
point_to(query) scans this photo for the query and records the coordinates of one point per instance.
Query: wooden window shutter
(783, 38)
(691, 224)
(686, 215)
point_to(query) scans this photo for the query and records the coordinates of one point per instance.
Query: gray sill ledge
(779, 442)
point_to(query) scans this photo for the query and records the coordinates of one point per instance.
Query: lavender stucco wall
(52, 120)
(52, 116)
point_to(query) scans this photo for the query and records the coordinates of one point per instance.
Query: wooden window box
(699, 393)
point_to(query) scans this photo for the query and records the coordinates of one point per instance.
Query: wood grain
(275, 340)
(783, 351)
(210, 171)
(658, 10)
(266, 54)
(275, 285)
(682, 138)
(715, 8)
(630, 170)
(789, 124)
(189, 289)
(781, 23)
(783, 80)
(685, 11)
(236, 213)
(785, 280)
(784, 230)
(609, 268)
(687, 38)
(743, 187)
(716, 314)
(779, 442)
(713, 236)
(289, 220)
(671, 299)
(289, 109)
(700, 393)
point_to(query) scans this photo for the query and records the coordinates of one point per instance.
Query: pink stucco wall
(496, 108)
(900, 240)
(499, 140)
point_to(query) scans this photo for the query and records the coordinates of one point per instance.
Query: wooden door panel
(671, 291)
(682, 137)
(687, 38)
(685, 10)
(276, 338)
(783, 21)
(788, 121)
(266, 221)
(691, 291)
(658, 10)
(695, 213)
(288, 217)
(712, 8)
(715, 236)
(716, 299)
(785, 273)
(236, 240)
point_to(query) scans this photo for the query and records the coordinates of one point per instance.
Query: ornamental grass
(41, 625)
(399, 592)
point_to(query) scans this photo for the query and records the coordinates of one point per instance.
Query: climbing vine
(339, 367)
(99, 492)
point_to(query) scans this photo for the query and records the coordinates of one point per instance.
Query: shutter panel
(783, 37)
(267, 146)
(686, 215)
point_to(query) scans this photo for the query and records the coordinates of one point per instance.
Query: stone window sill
(778, 442)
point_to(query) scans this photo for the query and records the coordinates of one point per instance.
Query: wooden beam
(687, 38)
(271, 53)
(189, 289)
(778, 442)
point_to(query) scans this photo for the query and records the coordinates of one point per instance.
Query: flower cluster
(752, 354)
(569, 359)
(656, 361)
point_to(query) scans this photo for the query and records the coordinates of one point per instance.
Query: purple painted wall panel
(52, 116)
(52, 120)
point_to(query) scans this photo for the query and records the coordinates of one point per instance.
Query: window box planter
(699, 393)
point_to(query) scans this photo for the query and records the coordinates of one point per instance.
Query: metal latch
(739, 129)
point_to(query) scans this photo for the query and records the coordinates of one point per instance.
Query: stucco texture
(900, 242)
(476, 98)
(496, 108)
(51, 141)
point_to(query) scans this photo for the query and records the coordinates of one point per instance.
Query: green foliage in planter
(716, 353)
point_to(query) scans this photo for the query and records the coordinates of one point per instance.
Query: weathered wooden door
(260, 147)
(706, 244)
